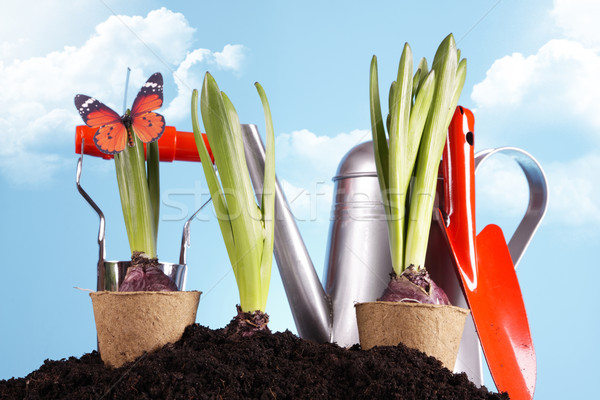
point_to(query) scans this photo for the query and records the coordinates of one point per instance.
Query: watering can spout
(358, 257)
(310, 305)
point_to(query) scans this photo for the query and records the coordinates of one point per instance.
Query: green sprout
(139, 189)
(420, 109)
(247, 228)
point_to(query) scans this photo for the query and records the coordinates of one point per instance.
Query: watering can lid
(358, 162)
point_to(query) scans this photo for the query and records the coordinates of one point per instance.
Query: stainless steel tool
(112, 273)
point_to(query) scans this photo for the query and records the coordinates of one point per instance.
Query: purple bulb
(144, 275)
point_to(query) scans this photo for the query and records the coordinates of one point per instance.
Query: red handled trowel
(486, 270)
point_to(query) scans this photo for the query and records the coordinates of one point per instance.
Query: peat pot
(431, 328)
(129, 324)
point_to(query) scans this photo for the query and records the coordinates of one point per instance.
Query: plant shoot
(421, 106)
(247, 227)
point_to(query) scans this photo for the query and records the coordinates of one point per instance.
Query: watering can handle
(538, 197)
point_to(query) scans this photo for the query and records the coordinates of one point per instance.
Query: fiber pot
(131, 323)
(433, 329)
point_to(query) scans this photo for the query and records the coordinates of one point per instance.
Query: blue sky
(532, 82)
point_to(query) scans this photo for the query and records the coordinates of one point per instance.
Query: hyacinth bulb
(144, 275)
(414, 286)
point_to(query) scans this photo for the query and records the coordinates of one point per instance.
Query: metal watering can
(358, 261)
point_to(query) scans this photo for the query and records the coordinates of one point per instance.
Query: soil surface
(208, 364)
(246, 324)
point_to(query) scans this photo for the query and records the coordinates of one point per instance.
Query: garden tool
(485, 269)
(173, 145)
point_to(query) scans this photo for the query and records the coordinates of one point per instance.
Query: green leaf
(388, 120)
(391, 97)
(153, 174)
(416, 82)
(245, 227)
(420, 109)
(399, 171)
(445, 65)
(268, 196)
(214, 186)
(418, 117)
(240, 164)
(461, 75)
(379, 137)
(424, 69)
(135, 198)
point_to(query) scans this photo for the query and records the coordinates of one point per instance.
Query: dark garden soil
(208, 364)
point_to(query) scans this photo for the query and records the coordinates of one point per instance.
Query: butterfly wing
(111, 136)
(148, 125)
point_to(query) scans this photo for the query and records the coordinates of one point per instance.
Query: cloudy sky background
(532, 82)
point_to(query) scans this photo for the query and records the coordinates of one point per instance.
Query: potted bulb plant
(247, 227)
(147, 311)
(413, 309)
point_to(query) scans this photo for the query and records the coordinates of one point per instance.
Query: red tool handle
(173, 145)
(487, 273)
(459, 191)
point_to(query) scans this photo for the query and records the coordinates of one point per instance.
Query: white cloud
(306, 164)
(318, 154)
(39, 171)
(561, 79)
(505, 82)
(231, 57)
(37, 92)
(578, 20)
(179, 107)
(32, 27)
(501, 187)
(9, 50)
(575, 191)
(555, 94)
(557, 83)
(189, 75)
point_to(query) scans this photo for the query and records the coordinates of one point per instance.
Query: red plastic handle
(459, 191)
(173, 145)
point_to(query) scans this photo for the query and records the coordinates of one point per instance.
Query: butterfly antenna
(126, 86)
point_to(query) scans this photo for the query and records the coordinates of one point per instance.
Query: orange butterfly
(114, 131)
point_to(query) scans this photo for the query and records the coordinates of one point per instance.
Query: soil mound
(208, 364)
